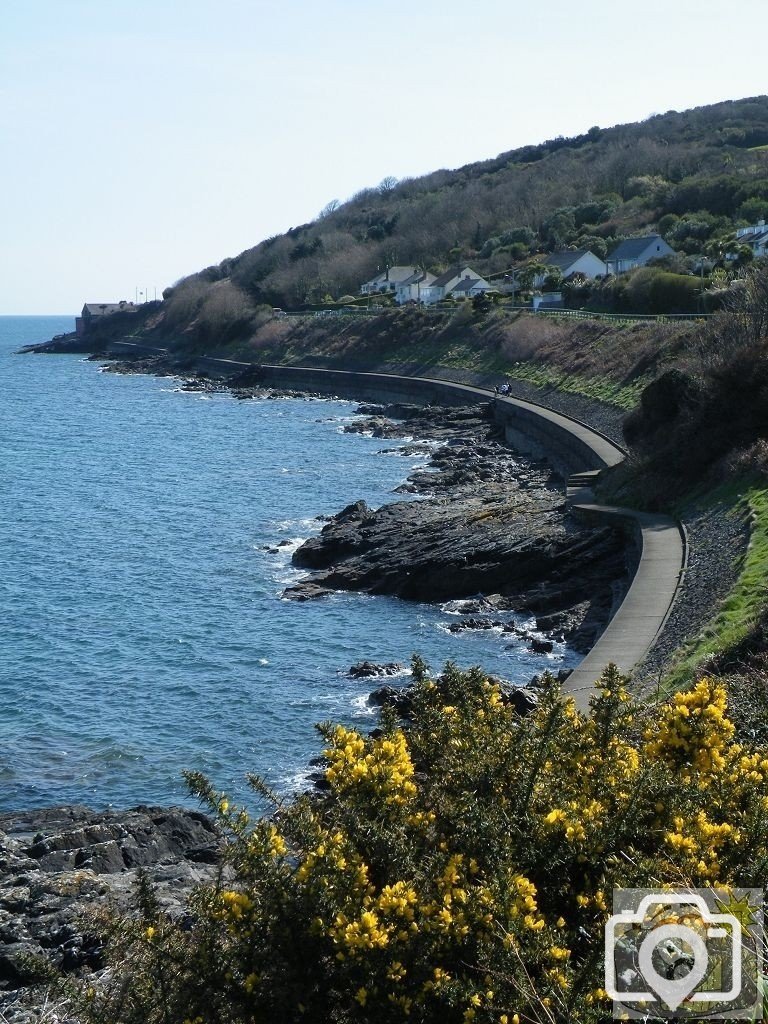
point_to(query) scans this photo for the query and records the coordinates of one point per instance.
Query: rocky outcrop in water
(488, 523)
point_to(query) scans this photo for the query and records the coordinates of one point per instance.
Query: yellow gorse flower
(382, 765)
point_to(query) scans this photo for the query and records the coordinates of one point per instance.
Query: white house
(579, 261)
(469, 287)
(409, 290)
(756, 237)
(636, 252)
(387, 281)
(445, 284)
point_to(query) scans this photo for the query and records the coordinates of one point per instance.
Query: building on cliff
(92, 312)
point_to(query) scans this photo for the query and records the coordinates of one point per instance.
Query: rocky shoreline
(470, 533)
(58, 864)
(489, 527)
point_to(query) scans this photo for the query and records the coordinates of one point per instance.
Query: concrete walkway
(661, 564)
(641, 615)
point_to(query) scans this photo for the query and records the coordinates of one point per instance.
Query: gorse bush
(457, 871)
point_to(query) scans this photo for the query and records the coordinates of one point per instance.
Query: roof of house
(752, 236)
(420, 275)
(399, 274)
(445, 277)
(449, 275)
(105, 308)
(564, 259)
(631, 248)
(393, 274)
(467, 283)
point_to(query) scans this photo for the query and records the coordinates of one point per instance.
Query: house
(445, 284)
(636, 252)
(409, 290)
(469, 287)
(578, 261)
(756, 237)
(387, 281)
(92, 312)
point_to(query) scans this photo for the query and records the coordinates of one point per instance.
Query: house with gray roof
(409, 290)
(445, 284)
(469, 287)
(636, 252)
(387, 281)
(95, 311)
(756, 237)
(576, 261)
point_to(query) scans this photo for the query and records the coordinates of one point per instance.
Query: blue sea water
(143, 630)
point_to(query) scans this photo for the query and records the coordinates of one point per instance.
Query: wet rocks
(491, 524)
(370, 670)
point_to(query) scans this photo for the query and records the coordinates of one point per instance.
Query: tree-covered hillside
(694, 176)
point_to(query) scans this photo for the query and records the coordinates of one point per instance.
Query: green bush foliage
(460, 870)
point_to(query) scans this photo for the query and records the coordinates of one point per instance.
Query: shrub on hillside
(692, 428)
(226, 313)
(184, 301)
(457, 871)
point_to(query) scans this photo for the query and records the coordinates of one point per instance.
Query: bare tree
(328, 209)
(387, 185)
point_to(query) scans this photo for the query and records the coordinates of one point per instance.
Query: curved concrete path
(662, 549)
(637, 622)
(645, 607)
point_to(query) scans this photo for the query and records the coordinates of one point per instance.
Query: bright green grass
(624, 396)
(745, 604)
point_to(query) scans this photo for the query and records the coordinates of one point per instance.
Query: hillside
(694, 176)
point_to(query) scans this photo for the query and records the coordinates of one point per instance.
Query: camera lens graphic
(673, 960)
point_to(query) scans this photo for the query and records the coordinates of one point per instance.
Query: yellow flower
(277, 845)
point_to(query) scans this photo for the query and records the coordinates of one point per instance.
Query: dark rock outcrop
(400, 699)
(491, 523)
(57, 863)
(370, 670)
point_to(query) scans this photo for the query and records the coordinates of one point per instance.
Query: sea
(146, 535)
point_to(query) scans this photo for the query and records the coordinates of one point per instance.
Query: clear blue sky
(143, 141)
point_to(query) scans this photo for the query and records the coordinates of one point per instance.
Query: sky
(142, 141)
